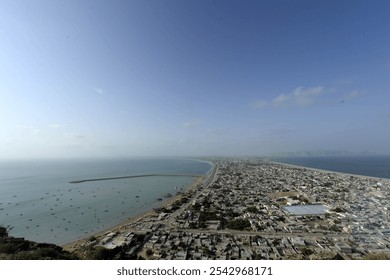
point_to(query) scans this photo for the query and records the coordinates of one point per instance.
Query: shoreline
(70, 246)
(130, 219)
(194, 185)
(327, 171)
(356, 204)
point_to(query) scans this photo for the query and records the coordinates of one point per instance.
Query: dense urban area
(255, 209)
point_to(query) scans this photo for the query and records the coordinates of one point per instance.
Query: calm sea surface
(375, 166)
(38, 202)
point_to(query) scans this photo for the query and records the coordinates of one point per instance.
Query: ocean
(38, 202)
(374, 166)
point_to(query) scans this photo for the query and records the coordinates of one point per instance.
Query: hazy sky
(184, 78)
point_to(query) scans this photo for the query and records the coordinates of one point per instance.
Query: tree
(252, 209)
(238, 224)
(149, 252)
(3, 232)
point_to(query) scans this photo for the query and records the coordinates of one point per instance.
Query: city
(255, 209)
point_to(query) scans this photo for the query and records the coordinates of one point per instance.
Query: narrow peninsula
(256, 209)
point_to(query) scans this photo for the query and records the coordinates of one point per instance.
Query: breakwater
(132, 176)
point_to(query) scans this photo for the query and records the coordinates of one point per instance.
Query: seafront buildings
(255, 209)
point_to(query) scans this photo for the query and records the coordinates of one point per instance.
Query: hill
(12, 248)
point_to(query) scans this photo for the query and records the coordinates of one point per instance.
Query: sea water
(374, 166)
(37, 201)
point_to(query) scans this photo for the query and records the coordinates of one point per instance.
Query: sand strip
(118, 227)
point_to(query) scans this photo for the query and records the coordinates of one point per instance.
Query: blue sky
(193, 78)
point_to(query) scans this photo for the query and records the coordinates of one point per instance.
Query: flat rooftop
(312, 209)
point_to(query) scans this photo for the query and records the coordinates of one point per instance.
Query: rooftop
(313, 209)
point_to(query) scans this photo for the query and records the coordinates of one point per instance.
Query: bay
(37, 201)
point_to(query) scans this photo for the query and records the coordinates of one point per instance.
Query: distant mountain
(320, 153)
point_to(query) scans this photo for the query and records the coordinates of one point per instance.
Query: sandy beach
(328, 171)
(355, 211)
(196, 183)
(121, 226)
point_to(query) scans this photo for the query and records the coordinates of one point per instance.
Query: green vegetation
(101, 253)
(238, 224)
(208, 215)
(307, 251)
(3, 232)
(124, 252)
(92, 238)
(19, 249)
(252, 209)
(149, 252)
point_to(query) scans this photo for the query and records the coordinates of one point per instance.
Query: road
(208, 181)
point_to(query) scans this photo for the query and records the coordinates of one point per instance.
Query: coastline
(70, 246)
(197, 182)
(198, 179)
(327, 171)
(354, 216)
